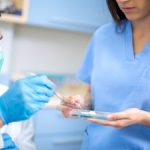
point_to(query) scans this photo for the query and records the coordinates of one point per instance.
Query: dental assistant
(117, 70)
(22, 100)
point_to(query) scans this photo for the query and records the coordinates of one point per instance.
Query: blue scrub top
(119, 79)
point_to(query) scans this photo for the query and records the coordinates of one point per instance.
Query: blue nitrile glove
(8, 143)
(25, 97)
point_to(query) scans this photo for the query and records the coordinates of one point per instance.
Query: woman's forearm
(146, 118)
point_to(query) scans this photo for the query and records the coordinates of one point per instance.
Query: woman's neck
(142, 27)
(141, 34)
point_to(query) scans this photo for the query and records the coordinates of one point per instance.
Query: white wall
(47, 50)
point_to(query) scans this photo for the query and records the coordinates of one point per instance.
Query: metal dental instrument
(60, 97)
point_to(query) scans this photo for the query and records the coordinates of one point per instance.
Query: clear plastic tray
(77, 113)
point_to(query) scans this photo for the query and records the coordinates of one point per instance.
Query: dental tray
(88, 114)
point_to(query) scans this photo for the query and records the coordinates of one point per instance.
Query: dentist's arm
(24, 98)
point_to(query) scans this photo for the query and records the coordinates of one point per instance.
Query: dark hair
(115, 11)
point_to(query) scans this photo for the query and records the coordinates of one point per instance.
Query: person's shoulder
(110, 29)
(106, 29)
(105, 32)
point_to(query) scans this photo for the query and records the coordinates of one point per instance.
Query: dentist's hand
(8, 143)
(25, 97)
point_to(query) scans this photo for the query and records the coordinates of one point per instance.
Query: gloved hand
(8, 143)
(25, 97)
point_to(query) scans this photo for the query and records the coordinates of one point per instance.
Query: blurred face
(135, 10)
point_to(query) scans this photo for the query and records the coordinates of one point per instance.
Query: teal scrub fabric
(119, 80)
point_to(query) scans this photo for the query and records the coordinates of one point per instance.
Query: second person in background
(117, 70)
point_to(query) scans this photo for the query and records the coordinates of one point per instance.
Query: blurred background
(50, 37)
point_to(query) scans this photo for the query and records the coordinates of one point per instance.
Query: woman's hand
(76, 102)
(70, 103)
(125, 118)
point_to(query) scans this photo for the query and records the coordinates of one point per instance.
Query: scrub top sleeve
(85, 71)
